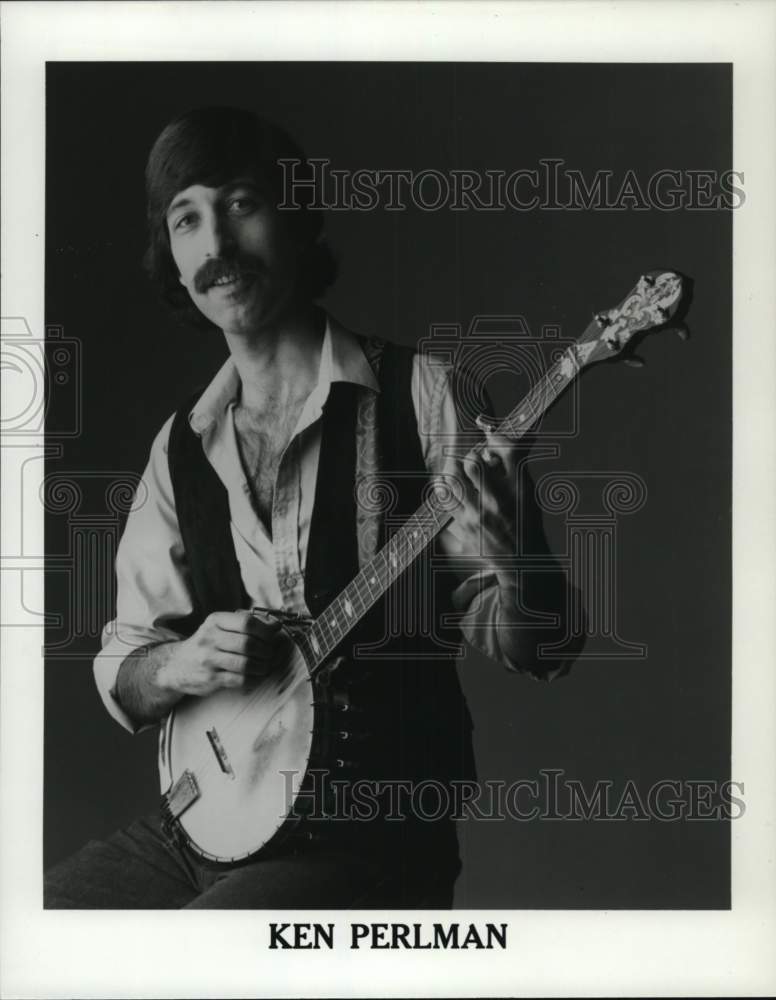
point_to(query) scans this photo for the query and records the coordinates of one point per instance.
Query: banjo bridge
(218, 749)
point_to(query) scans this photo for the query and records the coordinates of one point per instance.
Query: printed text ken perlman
(417, 936)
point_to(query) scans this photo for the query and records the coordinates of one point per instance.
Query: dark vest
(413, 723)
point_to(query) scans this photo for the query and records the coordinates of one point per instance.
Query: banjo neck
(650, 303)
(319, 640)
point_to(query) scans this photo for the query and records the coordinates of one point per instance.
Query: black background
(664, 716)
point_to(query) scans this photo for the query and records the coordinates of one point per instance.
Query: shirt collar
(342, 360)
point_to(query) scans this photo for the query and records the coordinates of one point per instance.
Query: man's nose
(219, 236)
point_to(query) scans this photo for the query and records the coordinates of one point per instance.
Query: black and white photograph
(377, 443)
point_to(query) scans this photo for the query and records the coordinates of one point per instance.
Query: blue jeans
(139, 868)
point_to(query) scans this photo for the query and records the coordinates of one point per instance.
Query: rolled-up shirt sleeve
(478, 599)
(151, 575)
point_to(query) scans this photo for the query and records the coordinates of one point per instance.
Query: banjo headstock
(651, 303)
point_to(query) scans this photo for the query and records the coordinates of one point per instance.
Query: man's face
(235, 254)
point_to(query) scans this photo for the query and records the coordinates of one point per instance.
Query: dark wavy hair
(211, 146)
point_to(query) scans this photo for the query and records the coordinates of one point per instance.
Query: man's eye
(243, 204)
(185, 221)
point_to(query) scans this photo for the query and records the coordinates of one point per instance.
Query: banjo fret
(373, 580)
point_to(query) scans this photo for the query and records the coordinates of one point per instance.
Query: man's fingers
(484, 471)
(499, 441)
(246, 622)
(261, 622)
(500, 451)
(467, 474)
(254, 647)
(493, 483)
(229, 679)
(234, 663)
(478, 494)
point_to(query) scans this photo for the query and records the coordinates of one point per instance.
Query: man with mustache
(251, 503)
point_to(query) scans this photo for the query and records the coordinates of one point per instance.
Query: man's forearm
(138, 690)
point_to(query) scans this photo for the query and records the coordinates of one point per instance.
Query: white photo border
(551, 953)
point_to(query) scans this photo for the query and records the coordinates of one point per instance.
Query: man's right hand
(227, 648)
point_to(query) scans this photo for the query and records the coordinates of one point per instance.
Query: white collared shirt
(152, 577)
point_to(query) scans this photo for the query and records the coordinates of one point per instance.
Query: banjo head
(247, 751)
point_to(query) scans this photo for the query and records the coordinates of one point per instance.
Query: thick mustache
(216, 268)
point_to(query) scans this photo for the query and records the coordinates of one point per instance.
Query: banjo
(233, 763)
